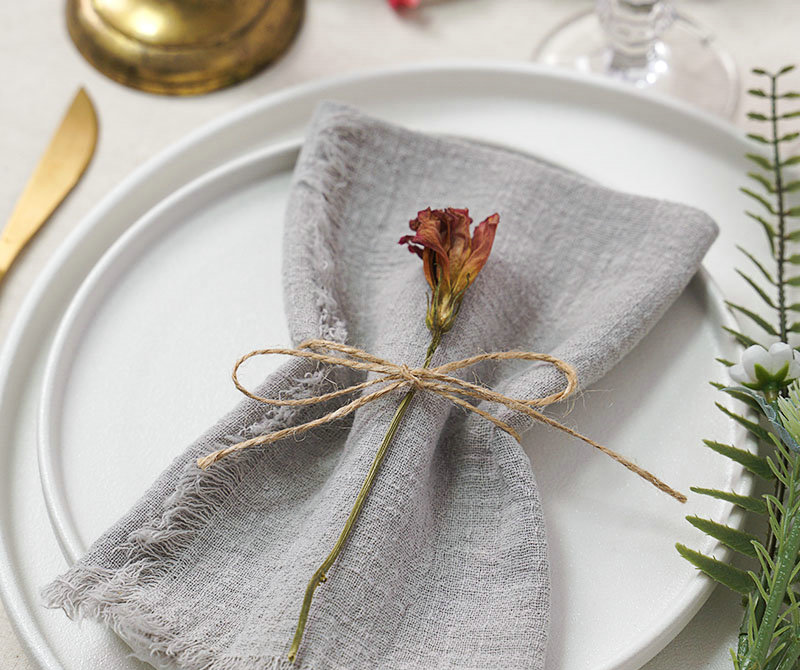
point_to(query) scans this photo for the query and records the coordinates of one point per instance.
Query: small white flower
(761, 368)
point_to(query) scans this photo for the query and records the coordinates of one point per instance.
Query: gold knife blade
(59, 169)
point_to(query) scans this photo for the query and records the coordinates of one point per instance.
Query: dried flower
(767, 371)
(450, 258)
(404, 4)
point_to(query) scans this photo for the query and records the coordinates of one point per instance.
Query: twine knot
(436, 380)
(411, 376)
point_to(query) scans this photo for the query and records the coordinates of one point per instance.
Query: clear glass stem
(633, 29)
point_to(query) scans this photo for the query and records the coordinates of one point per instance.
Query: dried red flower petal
(451, 258)
(404, 4)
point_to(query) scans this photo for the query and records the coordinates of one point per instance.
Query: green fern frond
(760, 291)
(769, 187)
(760, 321)
(769, 638)
(738, 395)
(759, 160)
(747, 459)
(741, 338)
(751, 426)
(749, 503)
(727, 575)
(766, 274)
(737, 540)
(766, 204)
(766, 226)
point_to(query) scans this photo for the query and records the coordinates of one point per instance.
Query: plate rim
(29, 633)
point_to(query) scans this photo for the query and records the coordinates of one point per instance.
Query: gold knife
(59, 169)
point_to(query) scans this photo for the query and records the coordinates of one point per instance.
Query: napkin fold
(447, 565)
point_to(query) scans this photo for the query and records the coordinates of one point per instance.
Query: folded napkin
(447, 565)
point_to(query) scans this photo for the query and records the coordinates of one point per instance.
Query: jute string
(435, 380)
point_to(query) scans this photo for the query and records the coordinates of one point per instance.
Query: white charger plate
(604, 131)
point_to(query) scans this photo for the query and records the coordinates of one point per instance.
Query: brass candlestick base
(182, 47)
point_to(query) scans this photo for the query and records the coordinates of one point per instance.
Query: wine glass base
(688, 64)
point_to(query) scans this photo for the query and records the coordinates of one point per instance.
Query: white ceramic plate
(112, 419)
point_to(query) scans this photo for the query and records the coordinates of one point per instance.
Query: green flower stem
(320, 576)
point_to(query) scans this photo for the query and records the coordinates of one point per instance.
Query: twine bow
(436, 380)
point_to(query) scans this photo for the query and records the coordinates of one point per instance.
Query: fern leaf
(758, 138)
(793, 281)
(739, 395)
(792, 185)
(752, 427)
(794, 160)
(793, 236)
(788, 137)
(761, 292)
(734, 578)
(747, 459)
(769, 231)
(789, 115)
(755, 318)
(759, 160)
(761, 179)
(792, 211)
(756, 116)
(737, 540)
(766, 204)
(794, 259)
(741, 338)
(757, 92)
(749, 503)
(758, 264)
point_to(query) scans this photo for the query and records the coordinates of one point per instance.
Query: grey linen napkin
(447, 566)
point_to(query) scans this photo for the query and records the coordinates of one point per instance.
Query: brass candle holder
(182, 47)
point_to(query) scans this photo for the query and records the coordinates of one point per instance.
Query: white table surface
(41, 71)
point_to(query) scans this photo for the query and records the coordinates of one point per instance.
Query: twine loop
(437, 380)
